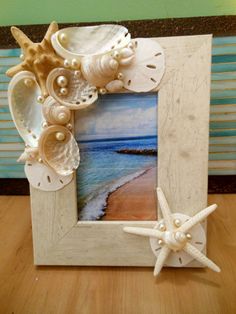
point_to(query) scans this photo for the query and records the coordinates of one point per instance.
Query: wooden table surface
(25, 288)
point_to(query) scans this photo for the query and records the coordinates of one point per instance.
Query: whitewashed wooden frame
(183, 128)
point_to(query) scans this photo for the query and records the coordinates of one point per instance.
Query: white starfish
(173, 236)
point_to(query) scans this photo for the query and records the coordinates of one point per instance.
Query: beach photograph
(118, 141)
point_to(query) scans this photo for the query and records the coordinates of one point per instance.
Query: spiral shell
(55, 113)
(99, 70)
(59, 150)
(77, 94)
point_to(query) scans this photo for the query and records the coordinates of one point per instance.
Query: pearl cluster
(62, 82)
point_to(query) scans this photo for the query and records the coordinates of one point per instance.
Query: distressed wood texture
(59, 239)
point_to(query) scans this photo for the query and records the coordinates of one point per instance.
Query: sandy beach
(135, 200)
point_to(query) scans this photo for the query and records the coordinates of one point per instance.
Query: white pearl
(115, 54)
(63, 38)
(74, 63)
(120, 76)
(40, 160)
(102, 91)
(77, 73)
(44, 124)
(180, 236)
(160, 242)
(62, 81)
(69, 126)
(162, 227)
(28, 82)
(60, 136)
(177, 222)
(188, 236)
(66, 63)
(63, 91)
(40, 99)
(22, 56)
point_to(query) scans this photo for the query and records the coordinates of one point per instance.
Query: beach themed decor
(175, 235)
(57, 96)
(65, 72)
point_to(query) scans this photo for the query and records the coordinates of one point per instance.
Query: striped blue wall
(222, 157)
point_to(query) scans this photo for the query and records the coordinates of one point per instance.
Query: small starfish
(173, 236)
(39, 58)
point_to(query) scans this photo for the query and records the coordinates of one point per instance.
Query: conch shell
(99, 70)
(55, 113)
(59, 150)
(77, 93)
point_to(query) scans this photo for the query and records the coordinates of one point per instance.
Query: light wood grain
(26, 289)
(183, 109)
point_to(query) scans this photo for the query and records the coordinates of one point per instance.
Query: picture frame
(183, 130)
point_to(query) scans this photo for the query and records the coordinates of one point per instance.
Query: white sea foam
(96, 203)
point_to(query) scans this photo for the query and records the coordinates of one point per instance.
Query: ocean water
(102, 170)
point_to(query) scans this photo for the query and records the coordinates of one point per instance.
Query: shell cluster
(67, 71)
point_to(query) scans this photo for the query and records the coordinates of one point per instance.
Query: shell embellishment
(59, 150)
(67, 71)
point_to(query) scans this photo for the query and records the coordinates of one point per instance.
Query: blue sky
(118, 115)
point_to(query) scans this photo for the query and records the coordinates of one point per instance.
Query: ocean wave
(96, 203)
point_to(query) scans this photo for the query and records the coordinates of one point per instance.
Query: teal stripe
(4, 109)
(225, 140)
(226, 156)
(223, 67)
(9, 61)
(13, 154)
(5, 117)
(223, 125)
(222, 171)
(223, 59)
(12, 174)
(223, 133)
(7, 125)
(223, 76)
(16, 167)
(222, 148)
(223, 101)
(11, 139)
(223, 93)
(3, 86)
(9, 132)
(224, 40)
(7, 161)
(4, 78)
(3, 68)
(218, 50)
(10, 52)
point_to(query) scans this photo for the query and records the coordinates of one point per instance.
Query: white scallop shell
(77, 42)
(44, 178)
(25, 110)
(99, 70)
(61, 155)
(80, 93)
(145, 71)
(55, 113)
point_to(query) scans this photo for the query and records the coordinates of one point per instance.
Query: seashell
(145, 71)
(77, 94)
(23, 92)
(99, 70)
(77, 42)
(126, 61)
(55, 113)
(114, 86)
(44, 178)
(59, 150)
(126, 52)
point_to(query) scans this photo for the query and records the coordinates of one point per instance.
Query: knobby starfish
(39, 58)
(173, 236)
